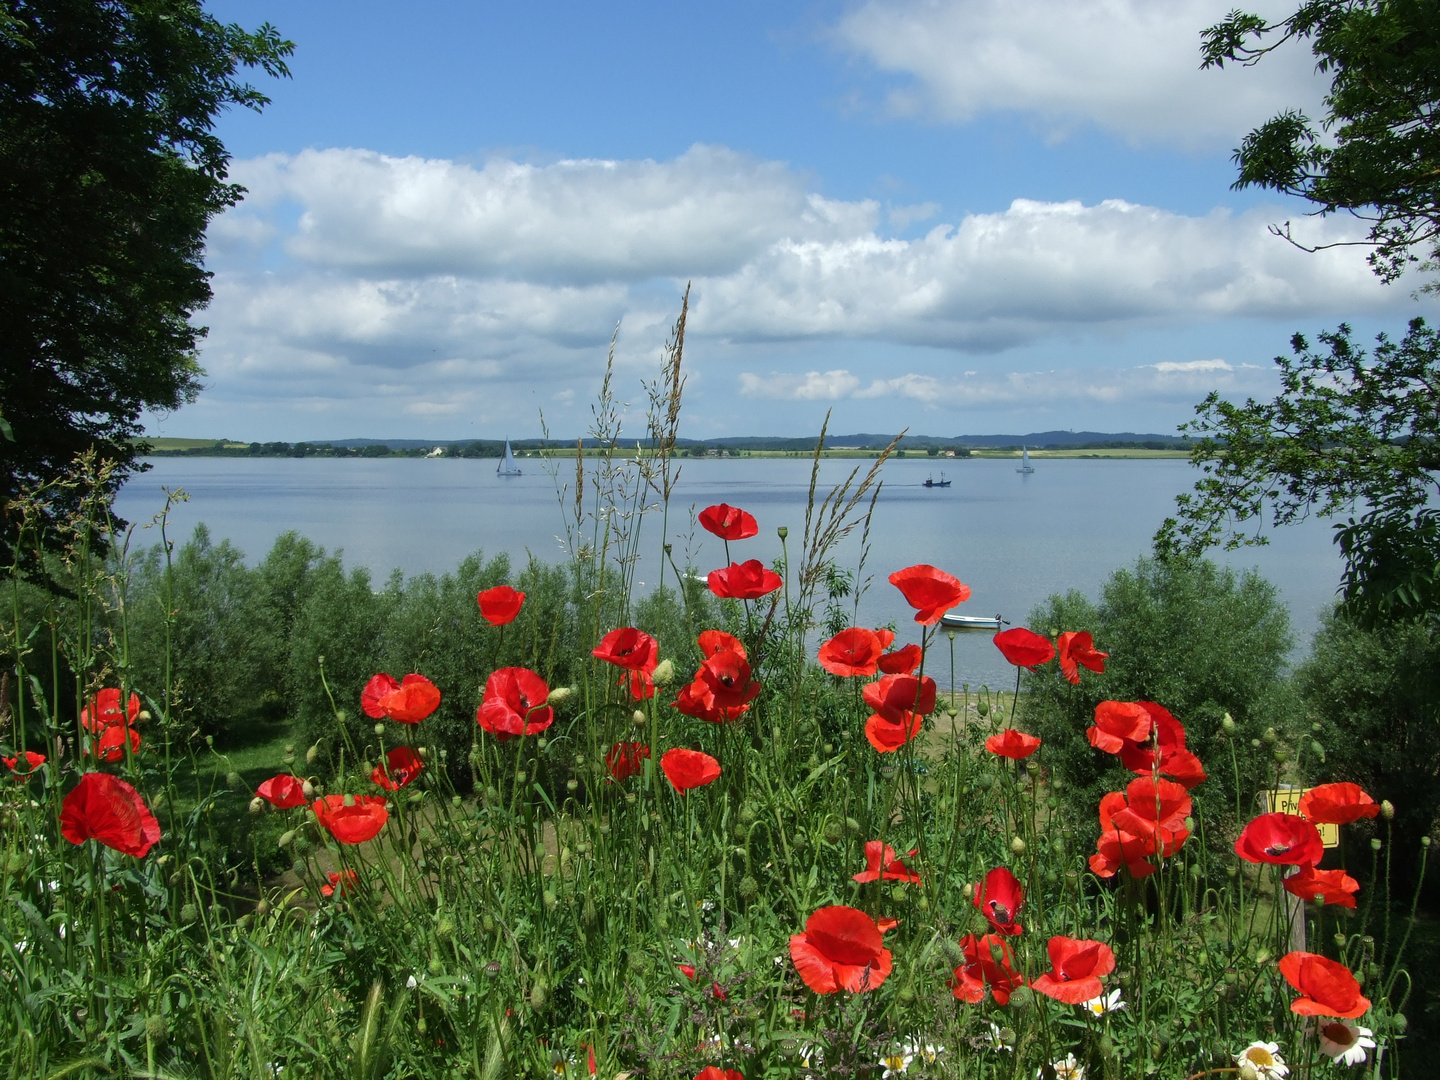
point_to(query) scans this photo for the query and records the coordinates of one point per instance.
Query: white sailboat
(507, 466)
(1025, 466)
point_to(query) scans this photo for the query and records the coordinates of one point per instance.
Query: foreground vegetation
(718, 832)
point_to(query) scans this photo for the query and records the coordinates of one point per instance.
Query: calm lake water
(1014, 539)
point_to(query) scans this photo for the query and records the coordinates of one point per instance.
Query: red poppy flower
(1147, 820)
(1330, 886)
(406, 702)
(514, 703)
(901, 661)
(1152, 807)
(886, 736)
(988, 963)
(696, 699)
(713, 1072)
(1327, 986)
(929, 591)
(686, 769)
(105, 808)
(400, 766)
(887, 637)
(28, 762)
(104, 710)
(1337, 804)
(628, 648)
(727, 676)
(500, 605)
(1076, 649)
(355, 823)
(110, 746)
(1025, 648)
(885, 864)
(713, 641)
(1163, 749)
(841, 949)
(626, 759)
(284, 792)
(1075, 969)
(1117, 722)
(1012, 744)
(345, 882)
(639, 683)
(1000, 899)
(728, 522)
(749, 580)
(852, 652)
(895, 695)
(1283, 839)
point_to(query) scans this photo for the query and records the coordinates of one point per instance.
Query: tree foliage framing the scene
(1376, 152)
(110, 171)
(1350, 431)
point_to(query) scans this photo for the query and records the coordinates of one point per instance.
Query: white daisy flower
(928, 1053)
(1343, 1042)
(1261, 1061)
(897, 1062)
(1105, 1003)
(1067, 1068)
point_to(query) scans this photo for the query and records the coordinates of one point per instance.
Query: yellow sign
(1286, 800)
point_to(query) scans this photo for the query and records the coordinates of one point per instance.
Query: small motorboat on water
(931, 482)
(971, 622)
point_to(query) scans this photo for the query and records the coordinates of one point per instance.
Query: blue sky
(960, 216)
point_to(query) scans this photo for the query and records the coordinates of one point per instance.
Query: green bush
(1198, 639)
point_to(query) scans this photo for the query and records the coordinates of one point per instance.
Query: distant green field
(190, 444)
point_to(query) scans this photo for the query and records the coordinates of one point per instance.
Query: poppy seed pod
(379, 729)
(1375, 843)
(782, 532)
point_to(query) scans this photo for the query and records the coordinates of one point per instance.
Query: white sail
(1025, 466)
(507, 466)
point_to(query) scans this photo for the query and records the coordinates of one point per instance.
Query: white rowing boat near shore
(971, 622)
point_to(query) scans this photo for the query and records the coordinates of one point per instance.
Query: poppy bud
(435, 967)
(298, 867)
(748, 888)
(422, 753)
(420, 1025)
(1017, 846)
(379, 729)
(189, 913)
(1227, 724)
(365, 767)
(538, 996)
(589, 914)
(1424, 841)
(1398, 1023)
(257, 805)
(1262, 956)
(210, 741)
(572, 785)
(1317, 750)
(559, 695)
(638, 716)
(950, 634)
(157, 1028)
(262, 908)
(1375, 844)
(286, 838)
(968, 891)
(829, 748)
(834, 831)
(549, 898)
(312, 754)
(953, 953)
(1106, 1046)
(1387, 810)
(782, 532)
(233, 780)
(852, 825)
(907, 995)
(982, 709)
(747, 812)
(664, 673)
(521, 776)
(444, 927)
(1270, 737)
(1255, 744)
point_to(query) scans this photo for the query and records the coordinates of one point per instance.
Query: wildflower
(1104, 1003)
(626, 758)
(1326, 986)
(1077, 649)
(283, 791)
(111, 744)
(514, 703)
(697, 700)
(1024, 648)
(1343, 1042)
(885, 865)
(988, 964)
(628, 648)
(1000, 898)
(1283, 839)
(728, 522)
(500, 605)
(1147, 820)
(712, 1072)
(1261, 1061)
(929, 591)
(401, 765)
(852, 652)
(1337, 804)
(1163, 749)
(897, 1062)
(887, 737)
(1076, 966)
(103, 710)
(1012, 744)
(1323, 886)
(726, 676)
(29, 762)
(1067, 1068)
(749, 580)
(343, 882)
(361, 820)
(639, 683)
(686, 769)
(894, 695)
(841, 949)
(406, 702)
(901, 661)
(713, 641)
(1118, 722)
(105, 808)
